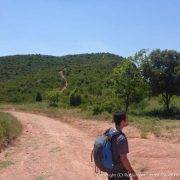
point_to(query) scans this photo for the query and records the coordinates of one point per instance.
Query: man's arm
(127, 165)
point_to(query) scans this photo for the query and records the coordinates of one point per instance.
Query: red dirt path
(53, 150)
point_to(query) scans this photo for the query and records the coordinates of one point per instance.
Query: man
(120, 148)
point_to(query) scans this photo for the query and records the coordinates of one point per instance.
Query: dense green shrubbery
(22, 76)
(106, 105)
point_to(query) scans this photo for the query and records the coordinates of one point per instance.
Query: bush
(97, 109)
(16, 98)
(162, 112)
(139, 108)
(110, 106)
(53, 98)
(38, 97)
(10, 128)
(75, 98)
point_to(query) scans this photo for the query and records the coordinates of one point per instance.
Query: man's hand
(127, 165)
(134, 177)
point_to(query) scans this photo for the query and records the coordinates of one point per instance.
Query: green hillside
(92, 83)
(22, 76)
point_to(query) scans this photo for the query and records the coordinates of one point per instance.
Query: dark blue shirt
(119, 146)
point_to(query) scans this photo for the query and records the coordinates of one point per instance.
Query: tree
(162, 71)
(139, 57)
(38, 97)
(128, 83)
(75, 98)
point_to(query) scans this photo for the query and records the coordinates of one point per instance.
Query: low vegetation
(10, 128)
(5, 164)
(146, 124)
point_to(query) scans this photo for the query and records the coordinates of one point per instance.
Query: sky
(61, 27)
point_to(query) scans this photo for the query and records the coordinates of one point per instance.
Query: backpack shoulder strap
(117, 133)
(111, 132)
(106, 132)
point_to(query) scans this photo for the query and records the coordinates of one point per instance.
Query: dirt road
(53, 150)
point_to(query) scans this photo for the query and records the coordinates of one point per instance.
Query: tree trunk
(127, 103)
(166, 99)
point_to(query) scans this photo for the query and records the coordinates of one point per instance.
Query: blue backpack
(102, 151)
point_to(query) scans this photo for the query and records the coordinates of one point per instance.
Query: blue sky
(60, 27)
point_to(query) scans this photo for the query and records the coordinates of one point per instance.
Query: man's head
(120, 119)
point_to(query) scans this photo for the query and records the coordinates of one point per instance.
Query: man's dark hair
(118, 117)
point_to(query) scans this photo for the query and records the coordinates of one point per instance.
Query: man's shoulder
(121, 138)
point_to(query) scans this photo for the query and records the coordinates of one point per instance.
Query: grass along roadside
(5, 164)
(166, 128)
(10, 128)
